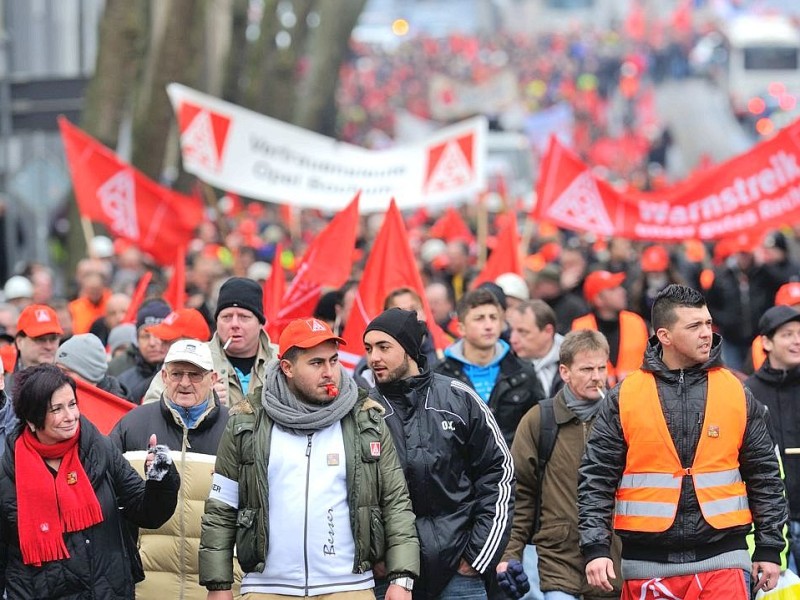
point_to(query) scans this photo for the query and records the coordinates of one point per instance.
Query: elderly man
(240, 346)
(307, 485)
(190, 420)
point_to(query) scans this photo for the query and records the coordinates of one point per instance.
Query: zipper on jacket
(305, 525)
(680, 383)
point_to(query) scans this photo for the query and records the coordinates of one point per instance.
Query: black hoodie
(779, 390)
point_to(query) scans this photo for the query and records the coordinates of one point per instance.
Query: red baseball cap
(306, 333)
(655, 259)
(788, 294)
(183, 323)
(38, 320)
(597, 281)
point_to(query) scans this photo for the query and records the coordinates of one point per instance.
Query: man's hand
(765, 576)
(465, 569)
(221, 595)
(598, 572)
(221, 387)
(512, 579)
(394, 592)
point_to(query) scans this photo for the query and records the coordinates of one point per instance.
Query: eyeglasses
(194, 376)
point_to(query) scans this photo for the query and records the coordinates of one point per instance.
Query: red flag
(100, 407)
(754, 192)
(110, 191)
(327, 263)
(137, 298)
(175, 294)
(451, 226)
(274, 291)
(505, 257)
(391, 264)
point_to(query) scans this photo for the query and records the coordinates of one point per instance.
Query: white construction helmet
(18, 287)
(513, 285)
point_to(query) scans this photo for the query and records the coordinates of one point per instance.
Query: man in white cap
(190, 420)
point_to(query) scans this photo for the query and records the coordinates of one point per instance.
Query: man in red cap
(38, 335)
(308, 486)
(626, 332)
(182, 324)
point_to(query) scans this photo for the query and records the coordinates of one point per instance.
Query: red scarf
(48, 507)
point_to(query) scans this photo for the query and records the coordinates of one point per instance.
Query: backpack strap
(548, 430)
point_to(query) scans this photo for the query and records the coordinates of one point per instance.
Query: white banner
(241, 151)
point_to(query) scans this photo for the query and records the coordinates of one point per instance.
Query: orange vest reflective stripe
(633, 337)
(648, 493)
(757, 352)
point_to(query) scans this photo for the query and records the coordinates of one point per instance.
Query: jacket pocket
(247, 539)
(553, 535)
(377, 535)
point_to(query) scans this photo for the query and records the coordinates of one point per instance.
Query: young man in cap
(190, 420)
(38, 334)
(307, 485)
(148, 353)
(626, 332)
(481, 360)
(777, 385)
(681, 463)
(459, 470)
(240, 347)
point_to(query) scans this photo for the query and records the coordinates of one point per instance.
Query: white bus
(763, 62)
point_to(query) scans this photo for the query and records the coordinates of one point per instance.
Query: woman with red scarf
(68, 499)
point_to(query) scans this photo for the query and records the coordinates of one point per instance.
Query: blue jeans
(464, 588)
(794, 547)
(559, 596)
(530, 562)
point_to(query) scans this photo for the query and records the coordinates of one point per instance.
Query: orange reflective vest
(757, 353)
(633, 337)
(648, 493)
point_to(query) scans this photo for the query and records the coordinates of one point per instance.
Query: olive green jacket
(381, 516)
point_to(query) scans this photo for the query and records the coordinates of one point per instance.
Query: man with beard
(307, 485)
(459, 470)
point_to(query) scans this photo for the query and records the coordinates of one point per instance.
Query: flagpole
(88, 233)
(213, 202)
(527, 235)
(482, 229)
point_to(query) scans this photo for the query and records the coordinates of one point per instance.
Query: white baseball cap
(513, 285)
(18, 287)
(191, 351)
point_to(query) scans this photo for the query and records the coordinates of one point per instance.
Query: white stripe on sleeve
(225, 490)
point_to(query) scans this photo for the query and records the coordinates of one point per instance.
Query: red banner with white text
(750, 193)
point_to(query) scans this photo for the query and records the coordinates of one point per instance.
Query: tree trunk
(174, 56)
(237, 54)
(316, 105)
(122, 39)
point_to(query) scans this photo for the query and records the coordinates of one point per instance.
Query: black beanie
(403, 326)
(244, 293)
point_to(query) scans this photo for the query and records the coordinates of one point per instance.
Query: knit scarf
(304, 417)
(583, 409)
(48, 507)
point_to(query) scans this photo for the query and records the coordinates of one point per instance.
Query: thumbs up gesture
(158, 459)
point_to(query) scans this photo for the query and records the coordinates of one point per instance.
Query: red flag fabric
(274, 291)
(175, 294)
(327, 263)
(110, 191)
(391, 264)
(137, 298)
(450, 226)
(104, 410)
(754, 192)
(505, 258)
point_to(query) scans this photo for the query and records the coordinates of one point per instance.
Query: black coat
(780, 392)
(133, 431)
(690, 538)
(103, 561)
(459, 472)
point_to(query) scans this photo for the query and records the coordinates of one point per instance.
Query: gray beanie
(123, 334)
(85, 355)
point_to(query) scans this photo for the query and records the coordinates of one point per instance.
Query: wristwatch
(407, 583)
